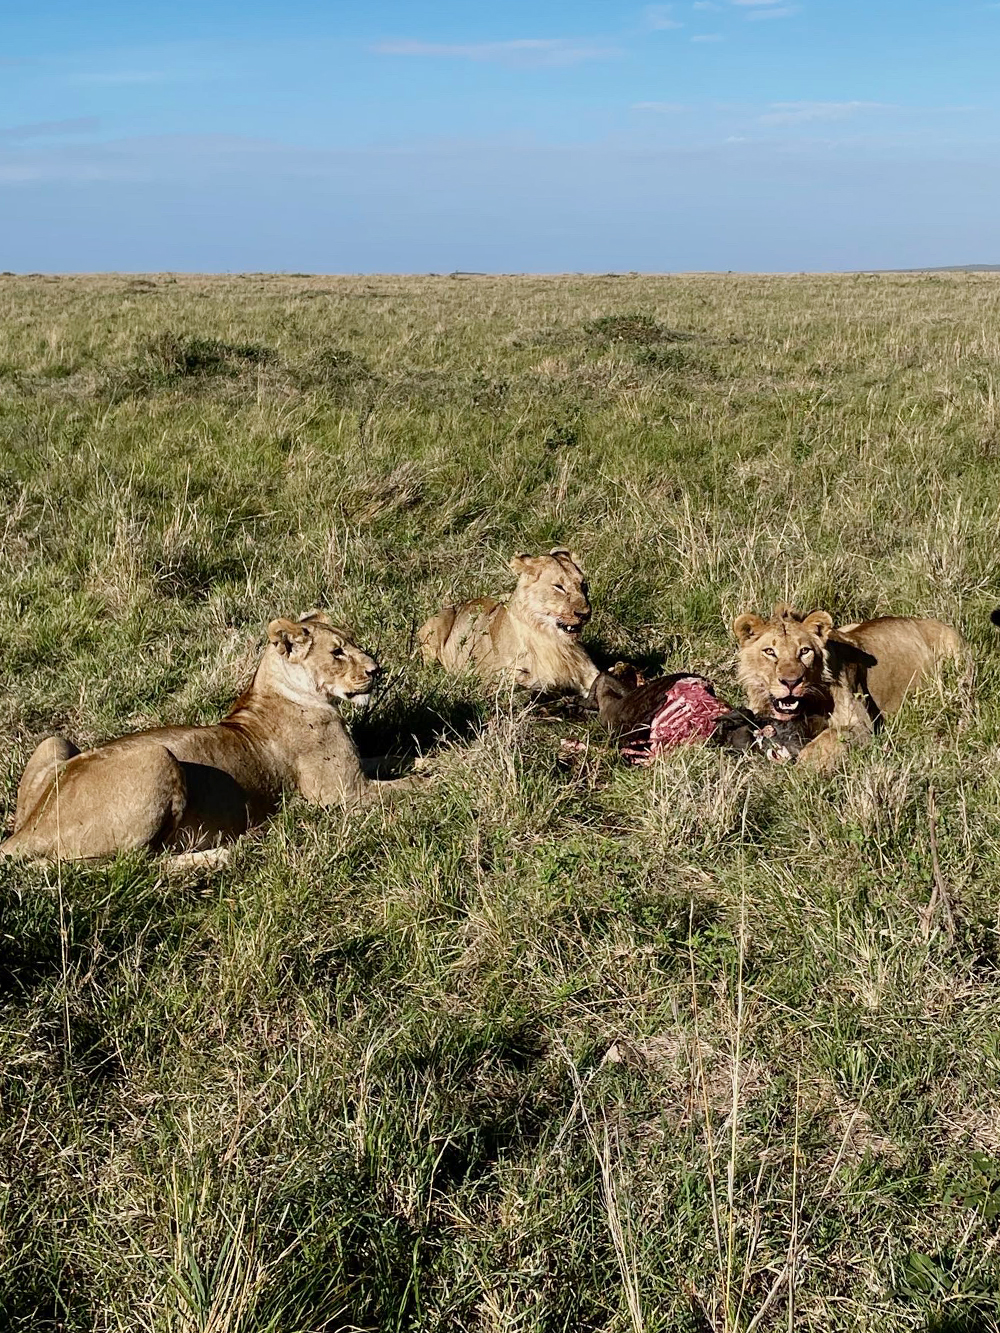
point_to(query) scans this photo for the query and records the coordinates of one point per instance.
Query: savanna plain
(551, 1044)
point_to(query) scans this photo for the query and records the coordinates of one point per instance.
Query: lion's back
(907, 650)
(462, 634)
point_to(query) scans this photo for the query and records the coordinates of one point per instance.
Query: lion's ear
(315, 617)
(523, 563)
(819, 623)
(748, 626)
(571, 556)
(291, 638)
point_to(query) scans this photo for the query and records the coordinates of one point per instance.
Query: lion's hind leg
(39, 772)
(433, 635)
(104, 802)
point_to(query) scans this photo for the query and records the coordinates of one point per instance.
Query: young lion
(840, 682)
(532, 638)
(195, 787)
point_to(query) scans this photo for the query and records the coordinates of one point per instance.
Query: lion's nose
(373, 670)
(790, 682)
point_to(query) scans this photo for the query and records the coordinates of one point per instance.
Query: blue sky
(548, 136)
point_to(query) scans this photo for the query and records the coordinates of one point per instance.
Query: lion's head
(321, 659)
(552, 589)
(782, 661)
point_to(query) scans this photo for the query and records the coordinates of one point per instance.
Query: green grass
(556, 1046)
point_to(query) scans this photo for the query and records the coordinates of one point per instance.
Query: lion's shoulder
(902, 633)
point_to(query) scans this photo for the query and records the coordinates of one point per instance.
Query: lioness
(531, 638)
(192, 788)
(839, 681)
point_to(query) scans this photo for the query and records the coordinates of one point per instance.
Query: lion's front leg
(334, 773)
(824, 754)
(390, 788)
(356, 792)
(850, 724)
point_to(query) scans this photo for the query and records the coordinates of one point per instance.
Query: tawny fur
(191, 788)
(840, 682)
(520, 639)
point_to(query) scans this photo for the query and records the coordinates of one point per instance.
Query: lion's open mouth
(567, 628)
(357, 696)
(788, 706)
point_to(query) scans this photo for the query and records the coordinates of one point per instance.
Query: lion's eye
(339, 652)
(769, 652)
(558, 587)
(805, 654)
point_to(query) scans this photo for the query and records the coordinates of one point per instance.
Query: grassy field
(557, 1045)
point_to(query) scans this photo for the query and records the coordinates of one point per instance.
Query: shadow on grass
(961, 1321)
(120, 903)
(604, 657)
(44, 1302)
(490, 1102)
(402, 728)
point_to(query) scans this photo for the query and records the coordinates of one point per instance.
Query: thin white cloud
(525, 50)
(659, 17)
(665, 107)
(779, 12)
(795, 113)
(707, 37)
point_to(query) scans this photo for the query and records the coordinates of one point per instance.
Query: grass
(559, 1046)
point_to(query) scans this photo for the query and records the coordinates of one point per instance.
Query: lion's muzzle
(574, 626)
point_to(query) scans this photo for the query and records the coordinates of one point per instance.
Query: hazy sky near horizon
(432, 135)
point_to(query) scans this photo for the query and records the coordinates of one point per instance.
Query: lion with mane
(840, 682)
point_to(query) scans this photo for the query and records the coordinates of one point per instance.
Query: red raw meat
(689, 713)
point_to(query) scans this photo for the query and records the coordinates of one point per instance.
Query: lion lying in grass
(192, 788)
(839, 681)
(532, 638)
